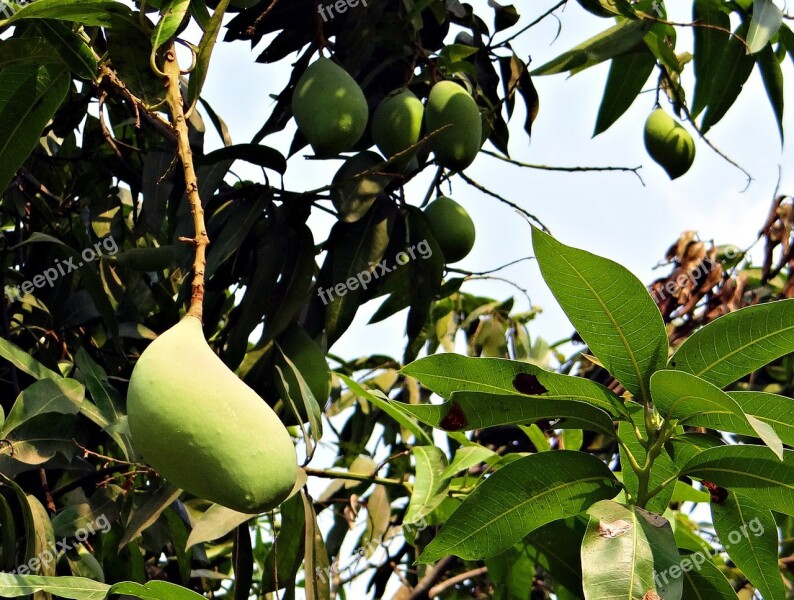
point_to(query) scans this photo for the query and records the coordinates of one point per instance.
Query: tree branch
(179, 124)
(512, 205)
(453, 581)
(431, 578)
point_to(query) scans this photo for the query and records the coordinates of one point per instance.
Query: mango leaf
(772, 76)
(216, 522)
(27, 51)
(556, 547)
(240, 218)
(40, 438)
(767, 19)
(663, 465)
(607, 44)
(734, 69)
(467, 457)
(749, 470)
(173, 13)
(710, 43)
(738, 343)
(29, 97)
(154, 590)
(286, 555)
(88, 516)
(626, 552)
(377, 398)
(430, 485)
(772, 409)
(206, 45)
(316, 557)
(610, 308)
(378, 518)
(98, 13)
(445, 374)
(628, 73)
(518, 498)
(147, 513)
(466, 411)
(256, 154)
(62, 396)
(681, 396)
(25, 362)
(749, 532)
(78, 588)
(706, 582)
(73, 50)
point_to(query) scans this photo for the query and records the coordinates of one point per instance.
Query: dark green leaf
(749, 532)
(710, 44)
(772, 76)
(610, 308)
(199, 74)
(72, 49)
(99, 13)
(255, 154)
(738, 343)
(29, 97)
(706, 582)
(173, 13)
(62, 396)
(519, 498)
(25, 362)
(628, 74)
(752, 471)
(448, 373)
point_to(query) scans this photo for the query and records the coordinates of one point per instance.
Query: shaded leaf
(628, 74)
(216, 522)
(62, 396)
(520, 497)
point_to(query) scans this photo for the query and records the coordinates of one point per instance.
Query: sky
(611, 214)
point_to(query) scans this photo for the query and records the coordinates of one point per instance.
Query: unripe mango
(203, 429)
(449, 104)
(397, 123)
(329, 108)
(668, 143)
(353, 195)
(452, 228)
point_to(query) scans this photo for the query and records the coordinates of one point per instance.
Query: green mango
(352, 196)
(198, 425)
(397, 124)
(668, 143)
(329, 108)
(452, 228)
(449, 104)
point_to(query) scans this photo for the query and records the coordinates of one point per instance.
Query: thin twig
(431, 578)
(490, 271)
(507, 40)
(252, 28)
(179, 124)
(331, 474)
(518, 163)
(512, 205)
(648, 17)
(453, 581)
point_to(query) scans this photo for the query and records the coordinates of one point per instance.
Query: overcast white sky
(608, 213)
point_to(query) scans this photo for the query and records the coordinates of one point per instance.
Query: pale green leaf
(623, 548)
(216, 522)
(430, 485)
(25, 362)
(173, 13)
(467, 457)
(154, 590)
(77, 588)
(520, 497)
(99, 13)
(767, 19)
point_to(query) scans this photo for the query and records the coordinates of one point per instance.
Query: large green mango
(352, 196)
(668, 143)
(452, 228)
(329, 108)
(203, 429)
(457, 146)
(396, 125)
